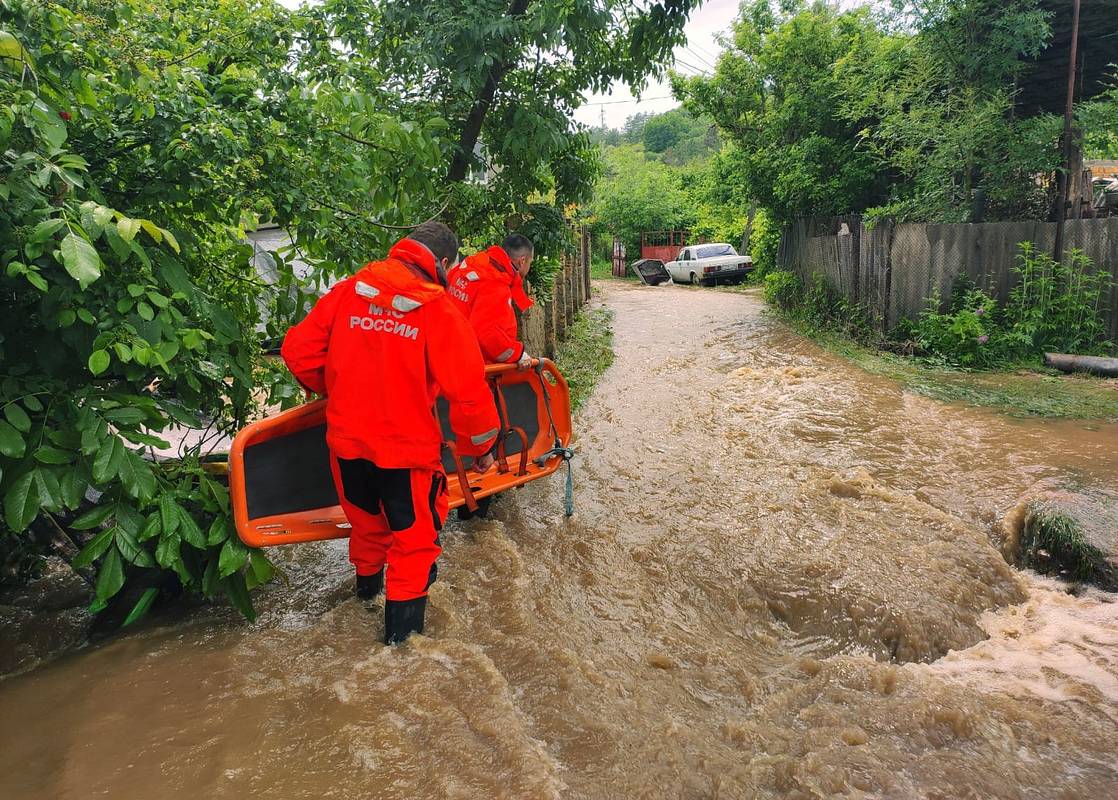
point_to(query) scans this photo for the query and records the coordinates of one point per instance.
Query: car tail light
(708, 270)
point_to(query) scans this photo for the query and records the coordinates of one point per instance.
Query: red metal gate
(663, 245)
(618, 258)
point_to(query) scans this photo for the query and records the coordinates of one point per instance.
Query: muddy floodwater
(784, 580)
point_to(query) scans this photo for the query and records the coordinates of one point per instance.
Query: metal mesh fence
(894, 270)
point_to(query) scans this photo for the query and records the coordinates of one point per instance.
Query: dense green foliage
(140, 142)
(816, 307)
(775, 95)
(1053, 307)
(637, 194)
(906, 110)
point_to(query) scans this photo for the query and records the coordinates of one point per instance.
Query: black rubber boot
(402, 618)
(369, 586)
(482, 509)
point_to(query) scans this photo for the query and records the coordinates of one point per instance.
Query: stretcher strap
(547, 403)
(463, 479)
(523, 469)
(507, 429)
(503, 418)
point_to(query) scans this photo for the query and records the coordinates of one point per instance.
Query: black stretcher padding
(289, 473)
(521, 401)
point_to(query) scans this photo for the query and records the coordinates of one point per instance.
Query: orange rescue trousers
(395, 517)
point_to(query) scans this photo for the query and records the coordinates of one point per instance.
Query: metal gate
(618, 258)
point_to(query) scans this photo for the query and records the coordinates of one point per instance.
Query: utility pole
(1063, 181)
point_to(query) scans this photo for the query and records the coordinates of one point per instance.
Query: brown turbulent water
(783, 580)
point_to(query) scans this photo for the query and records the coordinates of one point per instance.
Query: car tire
(695, 280)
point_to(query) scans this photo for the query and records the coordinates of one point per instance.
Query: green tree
(638, 194)
(775, 94)
(507, 75)
(633, 130)
(664, 130)
(138, 142)
(935, 107)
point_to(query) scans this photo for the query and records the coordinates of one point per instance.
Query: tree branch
(365, 219)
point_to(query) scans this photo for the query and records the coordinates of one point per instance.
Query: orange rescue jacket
(485, 287)
(381, 346)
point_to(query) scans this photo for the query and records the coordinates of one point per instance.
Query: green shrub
(1054, 306)
(764, 244)
(963, 334)
(817, 306)
(784, 290)
(1057, 305)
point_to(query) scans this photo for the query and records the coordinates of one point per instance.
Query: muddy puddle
(783, 580)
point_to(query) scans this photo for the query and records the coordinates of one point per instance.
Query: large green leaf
(233, 556)
(22, 502)
(218, 533)
(167, 552)
(260, 569)
(127, 228)
(132, 550)
(150, 528)
(169, 514)
(237, 591)
(108, 459)
(94, 548)
(98, 361)
(17, 417)
(11, 443)
(52, 455)
(111, 576)
(46, 229)
(141, 608)
(137, 476)
(12, 55)
(189, 530)
(92, 518)
(48, 124)
(80, 259)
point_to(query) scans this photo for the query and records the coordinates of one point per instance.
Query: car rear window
(714, 250)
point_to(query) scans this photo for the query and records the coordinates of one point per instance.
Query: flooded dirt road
(783, 581)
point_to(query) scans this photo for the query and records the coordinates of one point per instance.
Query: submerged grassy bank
(586, 351)
(1022, 391)
(953, 362)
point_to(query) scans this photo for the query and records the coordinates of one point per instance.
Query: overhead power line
(633, 100)
(703, 50)
(700, 58)
(692, 67)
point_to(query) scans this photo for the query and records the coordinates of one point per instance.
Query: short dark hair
(517, 245)
(438, 238)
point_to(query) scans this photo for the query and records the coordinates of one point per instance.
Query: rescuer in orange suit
(486, 287)
(381, 345)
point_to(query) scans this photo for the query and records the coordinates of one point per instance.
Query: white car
(709, 264)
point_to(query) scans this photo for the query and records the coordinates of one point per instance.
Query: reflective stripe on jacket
(382, 345)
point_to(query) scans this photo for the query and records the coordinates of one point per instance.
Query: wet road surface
(783, 580)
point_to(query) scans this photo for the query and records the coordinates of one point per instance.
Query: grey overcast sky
(712, 18)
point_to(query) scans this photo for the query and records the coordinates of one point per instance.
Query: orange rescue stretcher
(279, 468)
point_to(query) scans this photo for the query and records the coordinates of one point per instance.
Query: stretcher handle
(463, 479)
